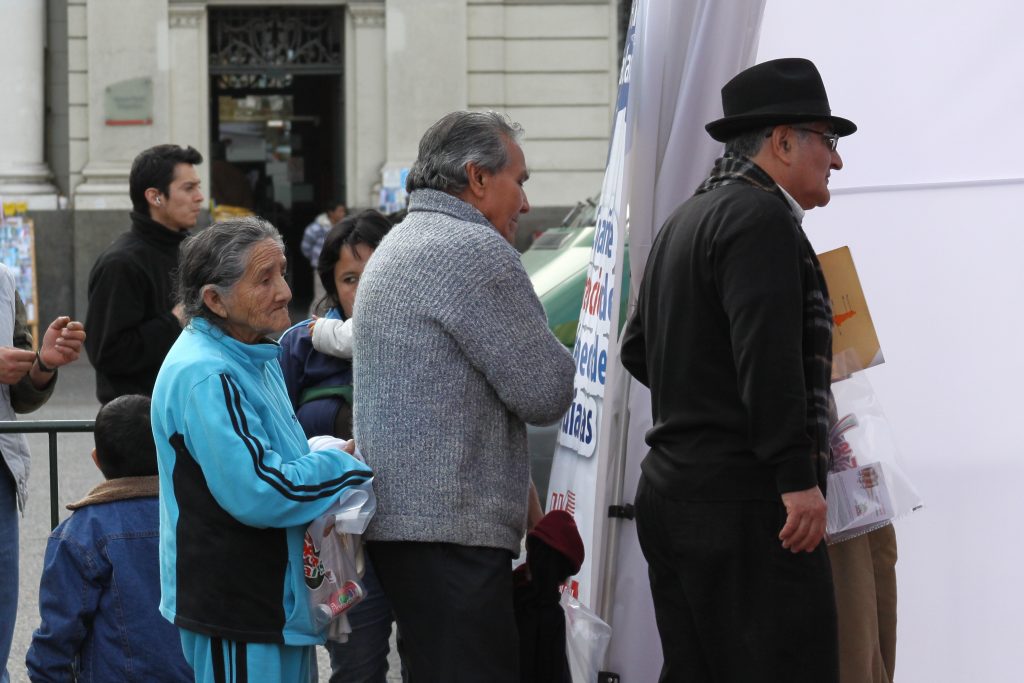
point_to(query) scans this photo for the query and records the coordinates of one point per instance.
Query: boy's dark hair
(124, 438)
(334, 204)
(154, 167)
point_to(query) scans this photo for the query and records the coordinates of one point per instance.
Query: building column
(115, 43)
(426, 78)
(365, 101)
(24, 175)
(126, 40)
(190, 81)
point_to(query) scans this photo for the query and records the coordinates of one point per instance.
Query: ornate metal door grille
(266, 46)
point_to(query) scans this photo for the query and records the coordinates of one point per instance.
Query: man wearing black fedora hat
(732, 333)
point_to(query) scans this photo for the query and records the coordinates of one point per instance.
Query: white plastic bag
(333, 554)
(867, 489)
(355, 507)
(586, 639)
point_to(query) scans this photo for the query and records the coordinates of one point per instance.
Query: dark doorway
(276, 121)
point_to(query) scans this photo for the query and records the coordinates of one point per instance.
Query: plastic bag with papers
(867, 489)
(586, 639)
(333, 554)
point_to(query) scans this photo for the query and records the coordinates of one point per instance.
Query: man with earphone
(132, 317)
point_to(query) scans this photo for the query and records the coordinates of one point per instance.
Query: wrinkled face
(257, 306)
(504, 198)
(814, 160)
(347, 271)
(179, 208)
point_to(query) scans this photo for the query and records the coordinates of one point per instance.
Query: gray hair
(457, 139)
(216, 257)
(748, 143)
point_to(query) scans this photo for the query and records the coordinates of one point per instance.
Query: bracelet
(42, 365)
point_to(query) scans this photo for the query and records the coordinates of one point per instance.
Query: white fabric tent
(927, 202)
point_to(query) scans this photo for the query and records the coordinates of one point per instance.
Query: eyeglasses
(831, 139)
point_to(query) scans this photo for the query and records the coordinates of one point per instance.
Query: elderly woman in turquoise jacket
(238, 482)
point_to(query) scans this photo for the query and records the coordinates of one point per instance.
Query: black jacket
(129, 322)
(718, 336)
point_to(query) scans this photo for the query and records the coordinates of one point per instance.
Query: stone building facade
(336, 95)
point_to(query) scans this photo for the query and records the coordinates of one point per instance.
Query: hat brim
(728, 127)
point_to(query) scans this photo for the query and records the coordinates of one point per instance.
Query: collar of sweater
(254, 355)
(121, 488)
(159, 233)
(442, 202)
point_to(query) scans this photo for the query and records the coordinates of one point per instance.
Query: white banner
(579, 466)
(685, 53)
(677, 57)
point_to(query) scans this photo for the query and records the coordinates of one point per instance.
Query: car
(557, 263)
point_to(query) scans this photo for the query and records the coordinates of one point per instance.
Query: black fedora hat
(775, 92)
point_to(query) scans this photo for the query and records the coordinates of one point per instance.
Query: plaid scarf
(817, 332)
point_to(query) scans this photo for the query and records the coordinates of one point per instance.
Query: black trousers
(453, 605)
(732, 605)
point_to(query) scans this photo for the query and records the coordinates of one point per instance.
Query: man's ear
(153, 196)
(781, 142)
(214, 301)
(478, 178)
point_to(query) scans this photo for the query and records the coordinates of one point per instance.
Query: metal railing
(52, 428)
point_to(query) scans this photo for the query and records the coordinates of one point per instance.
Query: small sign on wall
(129, 103)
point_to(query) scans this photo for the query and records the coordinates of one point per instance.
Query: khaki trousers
(864, 575)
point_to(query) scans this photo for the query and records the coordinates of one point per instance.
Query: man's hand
(805, 520)
(14, 364)
(62, 342)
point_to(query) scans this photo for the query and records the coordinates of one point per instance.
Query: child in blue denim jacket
(100, 587)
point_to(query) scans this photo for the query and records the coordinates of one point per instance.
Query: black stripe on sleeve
(274, 477)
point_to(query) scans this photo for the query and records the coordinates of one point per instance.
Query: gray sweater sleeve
(502, 329)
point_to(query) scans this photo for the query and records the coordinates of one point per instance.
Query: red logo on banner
(563, 501)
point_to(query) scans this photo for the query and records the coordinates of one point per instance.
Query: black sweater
(129, 322)
(718, 337)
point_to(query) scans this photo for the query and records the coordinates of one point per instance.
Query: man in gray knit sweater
(452, 356)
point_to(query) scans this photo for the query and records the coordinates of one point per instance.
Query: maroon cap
(558, 529)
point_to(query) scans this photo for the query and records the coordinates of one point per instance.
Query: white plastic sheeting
(930, 204)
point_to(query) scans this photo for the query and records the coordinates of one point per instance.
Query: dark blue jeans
(8, 565)
(364, 658)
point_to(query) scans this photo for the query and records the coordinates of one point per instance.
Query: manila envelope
(854, 341)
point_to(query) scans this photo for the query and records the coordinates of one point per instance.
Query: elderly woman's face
(257, 305)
